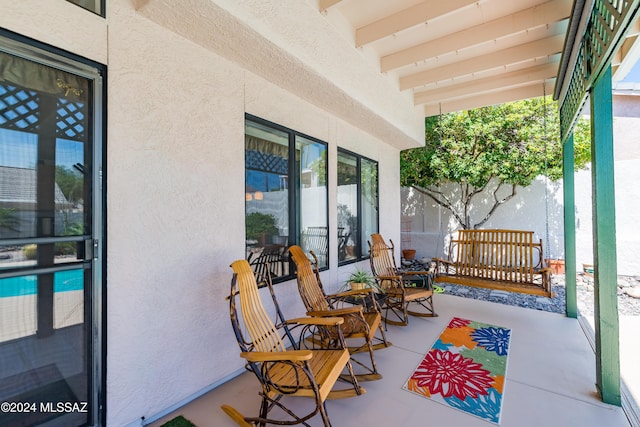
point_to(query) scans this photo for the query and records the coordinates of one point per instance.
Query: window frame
(293, 191)
(100, 3)
(361, 253)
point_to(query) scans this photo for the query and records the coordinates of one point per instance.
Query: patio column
(604, 241)
(568, 186)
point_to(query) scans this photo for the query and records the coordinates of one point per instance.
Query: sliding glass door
(50, 238)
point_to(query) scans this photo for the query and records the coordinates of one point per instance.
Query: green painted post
(568, 162)
(604, 241)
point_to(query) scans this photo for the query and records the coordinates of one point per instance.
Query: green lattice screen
(608, 23)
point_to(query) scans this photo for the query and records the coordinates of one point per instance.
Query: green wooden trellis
(590, 56)
(604, 33)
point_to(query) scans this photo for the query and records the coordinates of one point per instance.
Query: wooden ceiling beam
(528, 51)
(509, 95)
(626, 57)
(542, 14)
(485, 85)
(407, 18)
(326, 4)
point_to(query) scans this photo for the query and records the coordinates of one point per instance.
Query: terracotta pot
(408, 254)
(556, 266)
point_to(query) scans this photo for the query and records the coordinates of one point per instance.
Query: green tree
(70, 183)
(509, 145)
(258, 225)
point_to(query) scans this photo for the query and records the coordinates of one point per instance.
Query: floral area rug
(465, 368)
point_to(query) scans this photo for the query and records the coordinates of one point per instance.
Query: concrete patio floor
(550, 377)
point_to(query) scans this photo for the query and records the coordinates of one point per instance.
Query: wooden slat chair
(282, 371)
(360, 321)
(399, 285)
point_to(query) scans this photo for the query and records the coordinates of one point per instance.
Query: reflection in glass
(312, 160)
(348, 235)
(45, 135)
(369, 189)
(266, 200)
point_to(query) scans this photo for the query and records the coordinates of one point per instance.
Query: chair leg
(427, 303)
(375, 374)
(398, 309)
(381, 342)
(353, 379)
(325, 416)
(372, 373)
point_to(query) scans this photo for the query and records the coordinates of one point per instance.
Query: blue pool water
(63, 281)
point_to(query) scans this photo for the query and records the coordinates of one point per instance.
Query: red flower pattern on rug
(452, 374)
(465, 369)
(457, 322)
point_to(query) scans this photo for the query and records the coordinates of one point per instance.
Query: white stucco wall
(176, 99)
(533, 208)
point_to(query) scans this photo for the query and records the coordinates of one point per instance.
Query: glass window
(311, 157)
(357, 205)
(95, 6)
(369, 200)
(285, 197)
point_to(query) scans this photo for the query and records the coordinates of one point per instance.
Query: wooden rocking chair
(360, 321)
(281, 371)
(400, 286)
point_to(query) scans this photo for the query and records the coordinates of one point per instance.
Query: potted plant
(361, 279)
(555, 265)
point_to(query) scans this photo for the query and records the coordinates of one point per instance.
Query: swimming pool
(63, 281)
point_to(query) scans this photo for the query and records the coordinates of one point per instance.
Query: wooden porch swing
(497, 259)
(500, 259)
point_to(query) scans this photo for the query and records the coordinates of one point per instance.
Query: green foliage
(361, 276)
(70, 183)
(258, 223)
(60, 248)
(319, 168)
(9, 219)
(69, 248)
(30, 251)
(513, 143)
(178, 421)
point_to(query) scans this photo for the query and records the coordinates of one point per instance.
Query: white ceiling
(461, 54)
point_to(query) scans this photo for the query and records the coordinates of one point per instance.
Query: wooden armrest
(351, 293)
(336, 312)
(415, 273)
(275, 356)
(320, 321)
(444, 261)
(389, 277)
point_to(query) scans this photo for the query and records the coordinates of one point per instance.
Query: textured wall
(177, 94)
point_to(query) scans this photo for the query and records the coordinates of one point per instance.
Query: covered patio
(184, 81)
(573, 51)
(550, 378)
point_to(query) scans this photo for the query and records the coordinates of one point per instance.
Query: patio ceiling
(461, 54)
